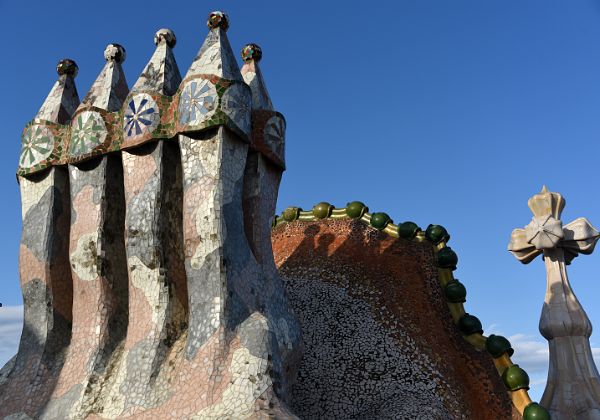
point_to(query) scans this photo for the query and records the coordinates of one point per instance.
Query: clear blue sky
(434, 111)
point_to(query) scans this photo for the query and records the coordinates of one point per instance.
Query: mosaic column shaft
(157, 283)
(226, 287)
(47, 291)
(212, 165)
(261, 186)
(99, 270)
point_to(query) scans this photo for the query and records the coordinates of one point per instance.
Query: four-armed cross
(573, 387)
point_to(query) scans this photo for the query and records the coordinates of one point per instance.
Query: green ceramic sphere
(496, 345)
(291, 213)
(322, 210)
(455, 292)
(446, 258)
(408, 230)
(436, 234)
(380, 220)
(534, 411)
(356, 209)
(515, 378)
(470, 324)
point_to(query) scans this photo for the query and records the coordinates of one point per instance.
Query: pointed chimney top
(109, 90)
(165, 35)
(216, 56)
(68, 67)
(161, 74)
(218, 19)
(63, 99)
(251, 54)
(39, 141)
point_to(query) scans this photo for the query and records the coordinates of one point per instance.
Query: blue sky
(434, 111)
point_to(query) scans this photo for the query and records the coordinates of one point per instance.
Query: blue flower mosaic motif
(38, 143)
(198, 102)
(141, 116)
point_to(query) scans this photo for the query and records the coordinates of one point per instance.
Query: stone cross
(573, 387)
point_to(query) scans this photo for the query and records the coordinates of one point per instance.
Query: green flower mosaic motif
(38, 143)
(88, 133)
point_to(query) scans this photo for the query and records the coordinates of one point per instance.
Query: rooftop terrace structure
(158, 284)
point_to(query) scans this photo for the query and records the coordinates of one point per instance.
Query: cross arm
(521, 248)
(580, 238)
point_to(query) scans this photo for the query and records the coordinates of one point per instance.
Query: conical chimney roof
(216, 56)
(160, 77)
(161, 74)
(63, 99)
(89, 134)
(268, 126)
(41, 144)
(251, 54)
(213, 92)
(110, 89)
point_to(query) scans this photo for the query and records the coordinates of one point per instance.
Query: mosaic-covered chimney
(147, 270)
(44, 269)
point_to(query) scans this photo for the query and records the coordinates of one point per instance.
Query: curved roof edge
(514, 378)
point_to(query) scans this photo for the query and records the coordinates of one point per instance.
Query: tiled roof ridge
(514, 378)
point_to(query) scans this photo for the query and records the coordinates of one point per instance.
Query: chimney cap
(218, 19)
(114, 52)
(251, 52)
(166, 35)
(68, 67)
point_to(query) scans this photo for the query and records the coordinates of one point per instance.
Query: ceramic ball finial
(218, 19)
(251, 52)
(68, 67)
(114, 52)
(165, 35)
